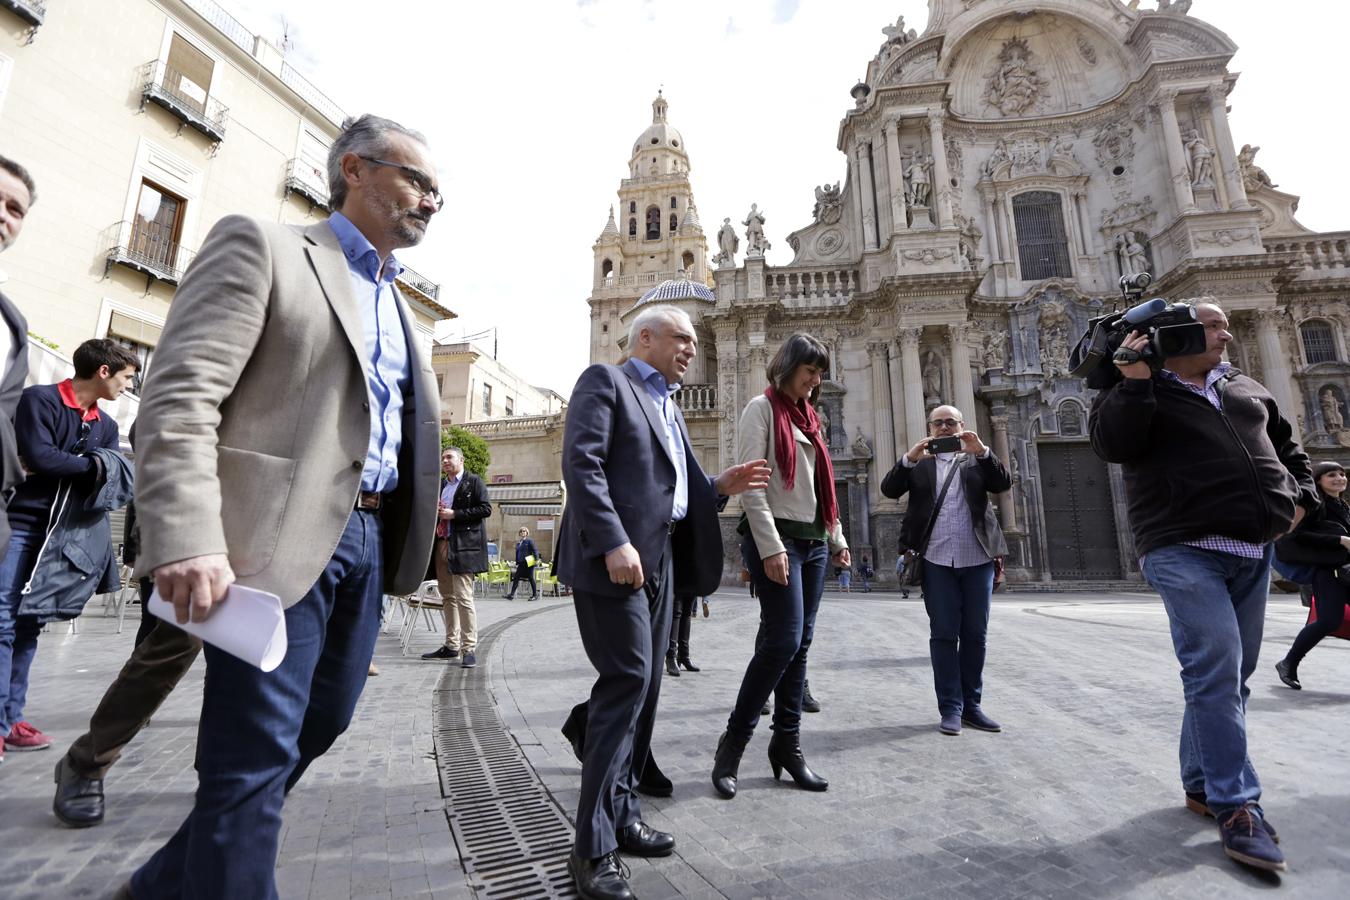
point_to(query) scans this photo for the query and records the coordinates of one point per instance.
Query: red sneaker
(24, 736)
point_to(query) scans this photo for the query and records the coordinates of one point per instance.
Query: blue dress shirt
(661, 395)
(388, 376)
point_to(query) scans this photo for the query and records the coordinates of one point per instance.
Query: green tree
(477, 456)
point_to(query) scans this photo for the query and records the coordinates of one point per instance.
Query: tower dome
(659, 135)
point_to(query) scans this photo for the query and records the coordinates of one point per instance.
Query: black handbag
(912, 576)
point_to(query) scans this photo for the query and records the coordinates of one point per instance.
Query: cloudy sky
(531, 108)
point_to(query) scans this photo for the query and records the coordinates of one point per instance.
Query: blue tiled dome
(677, 289)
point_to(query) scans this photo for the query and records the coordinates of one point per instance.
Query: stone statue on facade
(1331, 410)
(1253, 176)
(896, 34)
(861, 448)
(1175, 7)
(1014, 87)
(993, 349)
(997, 158)
(829, 204)
(755, 244)
(728, 243)
(918, 186)
(970, 240)
(932, 380)
(1200, 159)
(823, 415)
(1133, 258)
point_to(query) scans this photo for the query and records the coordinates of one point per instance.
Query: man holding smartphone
(949, 476)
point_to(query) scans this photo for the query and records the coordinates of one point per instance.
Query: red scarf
(803, 415)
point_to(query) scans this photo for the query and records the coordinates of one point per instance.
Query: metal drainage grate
(513, 840)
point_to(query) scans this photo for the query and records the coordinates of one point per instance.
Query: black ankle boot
(785, 752)
(671, 669)
(682, 657)
(809, 704)
(726, 762)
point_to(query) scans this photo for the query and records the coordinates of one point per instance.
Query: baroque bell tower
(652, 235)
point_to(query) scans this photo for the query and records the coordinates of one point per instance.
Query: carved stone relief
(1114, 142)
(1014, 86)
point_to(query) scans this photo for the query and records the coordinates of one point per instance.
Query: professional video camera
(1171, 328)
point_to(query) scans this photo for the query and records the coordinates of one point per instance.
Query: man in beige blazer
(288, 440)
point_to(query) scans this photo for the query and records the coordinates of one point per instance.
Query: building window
(1319, 342)
(688, 260)
(674, 223)
(1042, 245)
(157, 226)
(632, 207)
(653, 224)
(440, 384)
(632, 227)
(487, 400)
(510, 406)
(672, 203)
(189, 73)
(606, 270)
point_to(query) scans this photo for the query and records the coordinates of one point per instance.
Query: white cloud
(532, 107)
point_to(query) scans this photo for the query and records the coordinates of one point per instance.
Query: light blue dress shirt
(388, 376)
(662, 396)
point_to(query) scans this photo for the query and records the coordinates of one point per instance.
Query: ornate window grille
(1042, 244)
(1319, 342)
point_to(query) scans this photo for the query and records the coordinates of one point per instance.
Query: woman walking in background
(678, 654)
(790, 536)
(527, 557)
(1321, 540)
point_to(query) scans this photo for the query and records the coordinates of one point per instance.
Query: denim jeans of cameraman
(787, 625)
(1216, 604)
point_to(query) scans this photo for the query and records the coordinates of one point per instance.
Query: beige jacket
(755, 440)
(255, 419)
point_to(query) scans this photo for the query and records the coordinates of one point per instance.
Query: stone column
(1275, 366)
(728, 404)
(1006, 507)
(864, 519)
(881, 172)
(902, 439)
(869, 207)
(895, 166)
(1176, 153)
(1227, 158)
(883, 442)
(855, 221)
(963, 388)
(942, 180)
(915, 419)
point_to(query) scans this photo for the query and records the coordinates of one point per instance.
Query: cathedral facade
(1002, 170)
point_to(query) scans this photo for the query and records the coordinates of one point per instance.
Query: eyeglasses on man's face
(949, 423)
(419, 180)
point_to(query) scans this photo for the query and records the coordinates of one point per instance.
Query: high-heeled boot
(726, 763)
(785, 752)
(671, 669)
(682, 656)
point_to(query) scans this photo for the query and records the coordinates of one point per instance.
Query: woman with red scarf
(790, 536)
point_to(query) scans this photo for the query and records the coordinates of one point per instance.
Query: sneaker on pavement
(469, 660)
(1246, 841)
(24, 736)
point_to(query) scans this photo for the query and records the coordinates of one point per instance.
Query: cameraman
(1212, 475)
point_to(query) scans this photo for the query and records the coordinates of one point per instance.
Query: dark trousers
(523, 573)
(787, 626)
(625, 639)
(259, 731)
(1330, 595)
(149, 620)
(151, 673)
(681, 614)
(957, 600)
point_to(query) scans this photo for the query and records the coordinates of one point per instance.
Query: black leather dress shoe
(605, 878)
(574, 729)
(79, 801)
(441, 652)
(654, 782)
(639, 839)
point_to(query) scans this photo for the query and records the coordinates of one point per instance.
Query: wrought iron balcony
(183, 98)
(147, 248)
(424, 286)
(31, 11)
(309, 181)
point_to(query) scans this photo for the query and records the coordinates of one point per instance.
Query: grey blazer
(255, 417)
(11, 386)
(620, 485)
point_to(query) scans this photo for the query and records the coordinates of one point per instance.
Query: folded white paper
(248, 624)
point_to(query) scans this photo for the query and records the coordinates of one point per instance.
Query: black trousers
(681, 614)
(523, 573)
(1330, 595)
(625, 639)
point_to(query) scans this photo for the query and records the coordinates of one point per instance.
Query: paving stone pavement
(1077, 798)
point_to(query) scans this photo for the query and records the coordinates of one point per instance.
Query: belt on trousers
(369, 500)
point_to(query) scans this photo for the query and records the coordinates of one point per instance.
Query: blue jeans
(259, 731)
(787, 624)
(18, 634)
(957, 600)
(1216, 603)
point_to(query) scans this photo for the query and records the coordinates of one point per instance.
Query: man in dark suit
(640, 525)
(963, 537)
(460, 553)
(17, 195)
